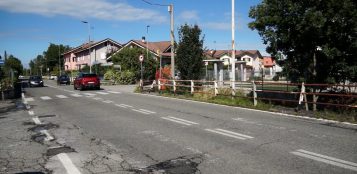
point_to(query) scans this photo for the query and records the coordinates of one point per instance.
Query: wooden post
(192, 87)
(255, 102)
(215, 88)
(174, 85)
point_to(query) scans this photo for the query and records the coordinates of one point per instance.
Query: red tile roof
(268, 61)
(239, 53)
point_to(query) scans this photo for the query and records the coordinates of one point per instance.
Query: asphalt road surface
(161, 134)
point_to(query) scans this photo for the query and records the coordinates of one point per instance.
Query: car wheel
(98, 87)
(74, 87)
(81, 88)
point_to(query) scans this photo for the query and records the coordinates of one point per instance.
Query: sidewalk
(122, 88)
(18, 153)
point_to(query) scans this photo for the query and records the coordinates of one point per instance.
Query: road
(153, 132)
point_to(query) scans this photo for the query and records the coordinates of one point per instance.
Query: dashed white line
(48, 136)
(107, 101)
(103, 93)
(29, 99)
(97, 98)
(46, 98)
(143, 112)
(179, 120)
(31, 113)
(326, 159)
(114, 92)
(89, 94)
(230, 134)
(152, 112)
(68, 164)
(61, 96)
(128, 106)
(120, 105)
(36, 120)
(76, 95)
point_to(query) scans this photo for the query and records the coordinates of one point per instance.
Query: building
(157, 49)
(270, 67)
(89, 54)
(248, 63)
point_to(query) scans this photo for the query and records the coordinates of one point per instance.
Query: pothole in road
(26, 123)
(40, 127)
(57, 150)
(181, 165)
(44, 116)
(39, 137)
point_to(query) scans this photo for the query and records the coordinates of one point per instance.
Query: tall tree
(13, 64)
(318, 38)
(128, 59)
(53, 55)
(189, 53)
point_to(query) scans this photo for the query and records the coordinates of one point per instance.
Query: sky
(28, 27)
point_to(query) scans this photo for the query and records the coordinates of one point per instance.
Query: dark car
(35, 81)
(86, 81)
(63, 79)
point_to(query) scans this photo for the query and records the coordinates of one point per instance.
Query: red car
(86, 81)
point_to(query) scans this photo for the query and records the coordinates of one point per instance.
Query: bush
(126, 78)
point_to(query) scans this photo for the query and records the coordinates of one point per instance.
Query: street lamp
(90, 58)
(171, 11)
(147, 41)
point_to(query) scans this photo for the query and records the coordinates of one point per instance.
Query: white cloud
(82, 9)
(189, 15)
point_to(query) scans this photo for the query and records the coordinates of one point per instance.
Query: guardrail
(329, 95)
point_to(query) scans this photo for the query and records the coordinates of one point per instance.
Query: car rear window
(35, 78)
(89, 75)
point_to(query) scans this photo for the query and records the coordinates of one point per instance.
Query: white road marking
(97, 98)
(61, 96)
(229, 134)
(89, 94)
(114, 92)
(121, 105)
(68, 164)
(48, 136)
(326, 159)
(107, 101)
(29, 99)
(152, 112)
(46, 98)
(36, 120)
(140, 111)
(76, 95)
(126, 105)
(179, 120)
(103, 93)
(31, 113)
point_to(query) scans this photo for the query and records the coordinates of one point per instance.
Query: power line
(150, 3)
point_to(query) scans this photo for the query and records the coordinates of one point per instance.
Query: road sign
(141, 58)
(1, 62)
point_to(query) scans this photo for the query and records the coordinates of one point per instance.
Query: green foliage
(128, 59)
(109, 74)
(12, 64)
(189, 53)
(126, 78)
(296, 28)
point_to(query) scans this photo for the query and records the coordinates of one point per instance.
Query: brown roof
(162, 46)
(239, 53)
(85, 46)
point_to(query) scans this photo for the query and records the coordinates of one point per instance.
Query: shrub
(126, 78)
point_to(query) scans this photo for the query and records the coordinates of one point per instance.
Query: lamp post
(90, 58)
(147, 41)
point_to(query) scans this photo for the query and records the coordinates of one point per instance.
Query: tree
(52, 54)
(128, 59)
(189, 53)
(297, 28)
(13, 64)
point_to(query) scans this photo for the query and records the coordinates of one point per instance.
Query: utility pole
(59, 60)
(233, 78)
(171, 11)
(89, 45)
